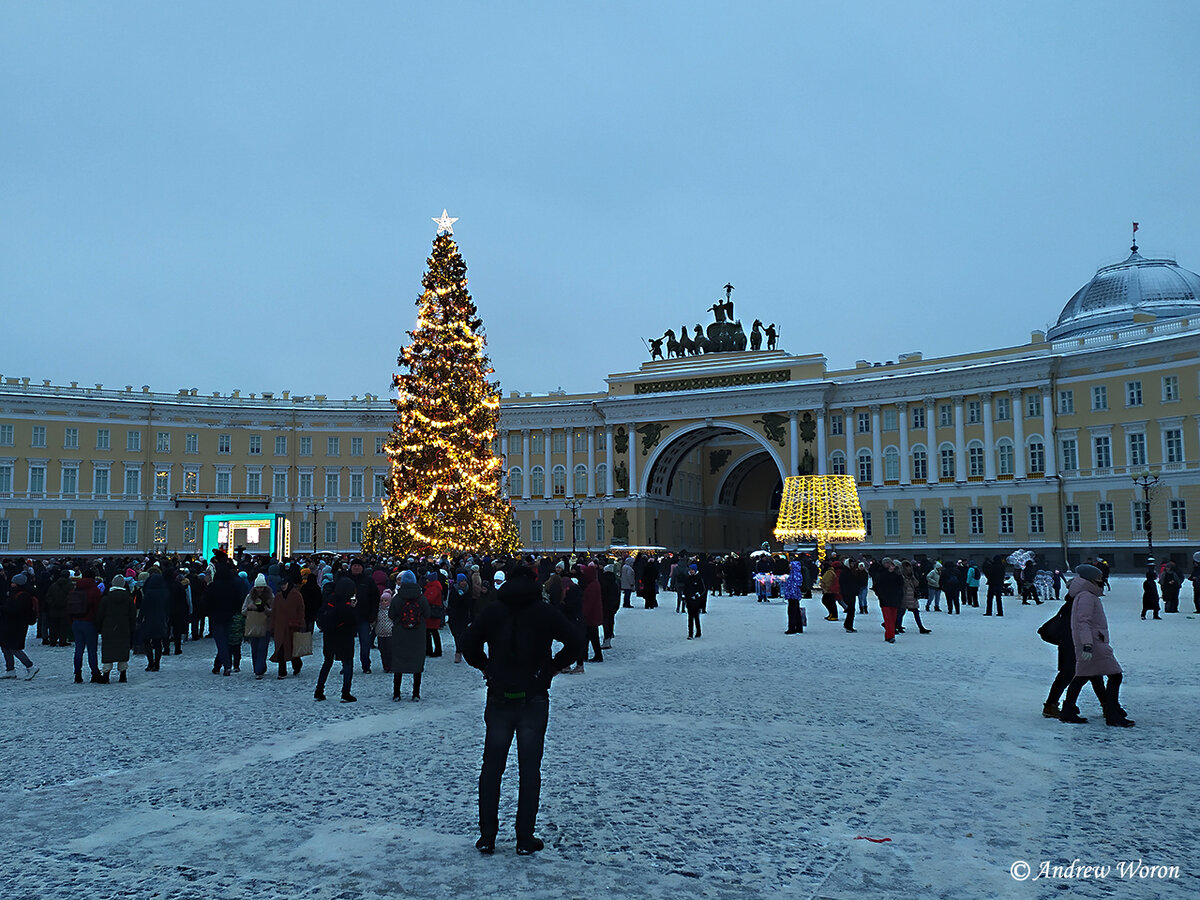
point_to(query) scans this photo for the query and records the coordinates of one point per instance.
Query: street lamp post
(1146, 479)
(574, 506)
(315, 508)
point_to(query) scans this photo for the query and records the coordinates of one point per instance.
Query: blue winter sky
(239, 195)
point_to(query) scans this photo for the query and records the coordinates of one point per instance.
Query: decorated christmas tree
(444, 489)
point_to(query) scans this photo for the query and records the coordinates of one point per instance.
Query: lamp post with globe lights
(574, 506)
(1147, 478)
(314, 508)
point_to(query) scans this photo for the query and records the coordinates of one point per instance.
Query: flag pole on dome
(1135, 228)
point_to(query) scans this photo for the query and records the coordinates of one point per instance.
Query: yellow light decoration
(821, 508)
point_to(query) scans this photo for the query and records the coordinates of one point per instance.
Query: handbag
(302, 643)
(1055, 630)
(803, 617)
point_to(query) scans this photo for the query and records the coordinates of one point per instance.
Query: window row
(946, 461)
(191, 441)
(558, 531)
(1106, 522)
(558, 481)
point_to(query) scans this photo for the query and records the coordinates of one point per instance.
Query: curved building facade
(1033, 446)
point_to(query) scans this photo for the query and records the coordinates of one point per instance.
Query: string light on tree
(444, 490)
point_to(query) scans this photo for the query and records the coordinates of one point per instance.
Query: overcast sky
(238, 195)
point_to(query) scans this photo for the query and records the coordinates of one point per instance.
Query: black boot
(78, 677)
(96, 677)
(122, 679)
(104, 678)
(1071, 714)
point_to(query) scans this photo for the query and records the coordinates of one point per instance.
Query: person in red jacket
(593, 608)
(437, 614)
(83, 604)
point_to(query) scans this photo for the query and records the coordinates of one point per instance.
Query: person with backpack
(258, 628)
(223, 599)
(83, 603)
(409, 613)
(518, 633)
(116, 618)
(339, 624)
(17, 612)
(58, 623)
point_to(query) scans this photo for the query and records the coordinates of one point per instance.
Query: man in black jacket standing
(366, 610)
(519, 631)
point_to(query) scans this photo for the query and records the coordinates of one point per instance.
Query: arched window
(580, 480)
(865, 466)
(1005, 464)
(891, 464)
(602, 477)
(920, 463)
(516, 482)
(559, 481)
(537, 481)
(837, 463)
(1037, 456)
(946, 461)
(975, 464)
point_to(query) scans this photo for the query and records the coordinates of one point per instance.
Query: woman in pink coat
(1094, 658)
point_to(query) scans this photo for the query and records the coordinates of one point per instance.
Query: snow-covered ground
(744, 764)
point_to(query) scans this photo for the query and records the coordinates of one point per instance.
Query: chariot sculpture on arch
(724, 335)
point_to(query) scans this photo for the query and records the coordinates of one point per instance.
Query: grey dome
(1158, 287)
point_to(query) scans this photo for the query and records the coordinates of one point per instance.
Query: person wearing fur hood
(1094, 657)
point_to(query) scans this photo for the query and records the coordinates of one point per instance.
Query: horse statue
(672, 344)
(756, 335)
(686, 347)
(701, 342)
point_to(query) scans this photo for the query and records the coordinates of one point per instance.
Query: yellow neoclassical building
(1034, 446)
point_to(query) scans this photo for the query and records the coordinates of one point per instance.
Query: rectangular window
(947, 521)
(332, 486)
(133, 440)
(6, 478)
(1003, 409)
(918, 417)
(535, 531)
(835, 424)
(1102, 452)
(1133, 393)
(224, 443)
(1106, 522)
(100, 483)
(1006, 520)
(224, 482)
(920, 465)
(133, 482)
(6, 435)
(1170, 388)
(356, 486)
(559, 531)
(333, 446)
(599, 530)
(356, 532)
(191, 482)
(379, 445)
(975, 458)
(70, 438)
(919, 524)
(33, 534)
(356, 446)
(1033, 405)
(838, 464)
(279, 485)
(946, 456)
(162, 442)
(976, 517)
(1037, 458)
(129, 534)
(1069, 455)
(558, 442)
(1178, 513)
(191, 442)
(66, 532)
(103, 438)
(891, 418)
(304, 533)
(331, 532)
(1099, 397)
(1066, 403)
(1139, 516)
(70, 480)
(255, 445)
(38, 438)
(37, 479)
(380, 485)
(867, 522)
(537, 442)
(306, 446)
(974, 412)
(306, 485)
(864, 423)
(4, 532)
(162, 484)
(1137, 449)
(1071, 518)
(580, 527)
(1173, 441)
(891, 523)
(281, 445)
(1037, 520)
(160, 533)
(189, 533)
(254, 482)
(945, 415)
(99, 532)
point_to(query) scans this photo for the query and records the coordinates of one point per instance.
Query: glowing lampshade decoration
(821, 508)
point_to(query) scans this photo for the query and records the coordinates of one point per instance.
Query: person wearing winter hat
(693, 597)
(16, 615)
(409, 612)
(1094, 658)
(116, 620)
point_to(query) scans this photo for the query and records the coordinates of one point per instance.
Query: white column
(570, 461)
(633, 485)
(822, 461)
(989, 444)
(876, 448)
(610, 461)
(794, 437)
(1018, 420)
(1048, 432)
(547, 480)
(525, 495)
(848, 425)
(933, 458)
(960, 441)
(902, 409)
(591, 464)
